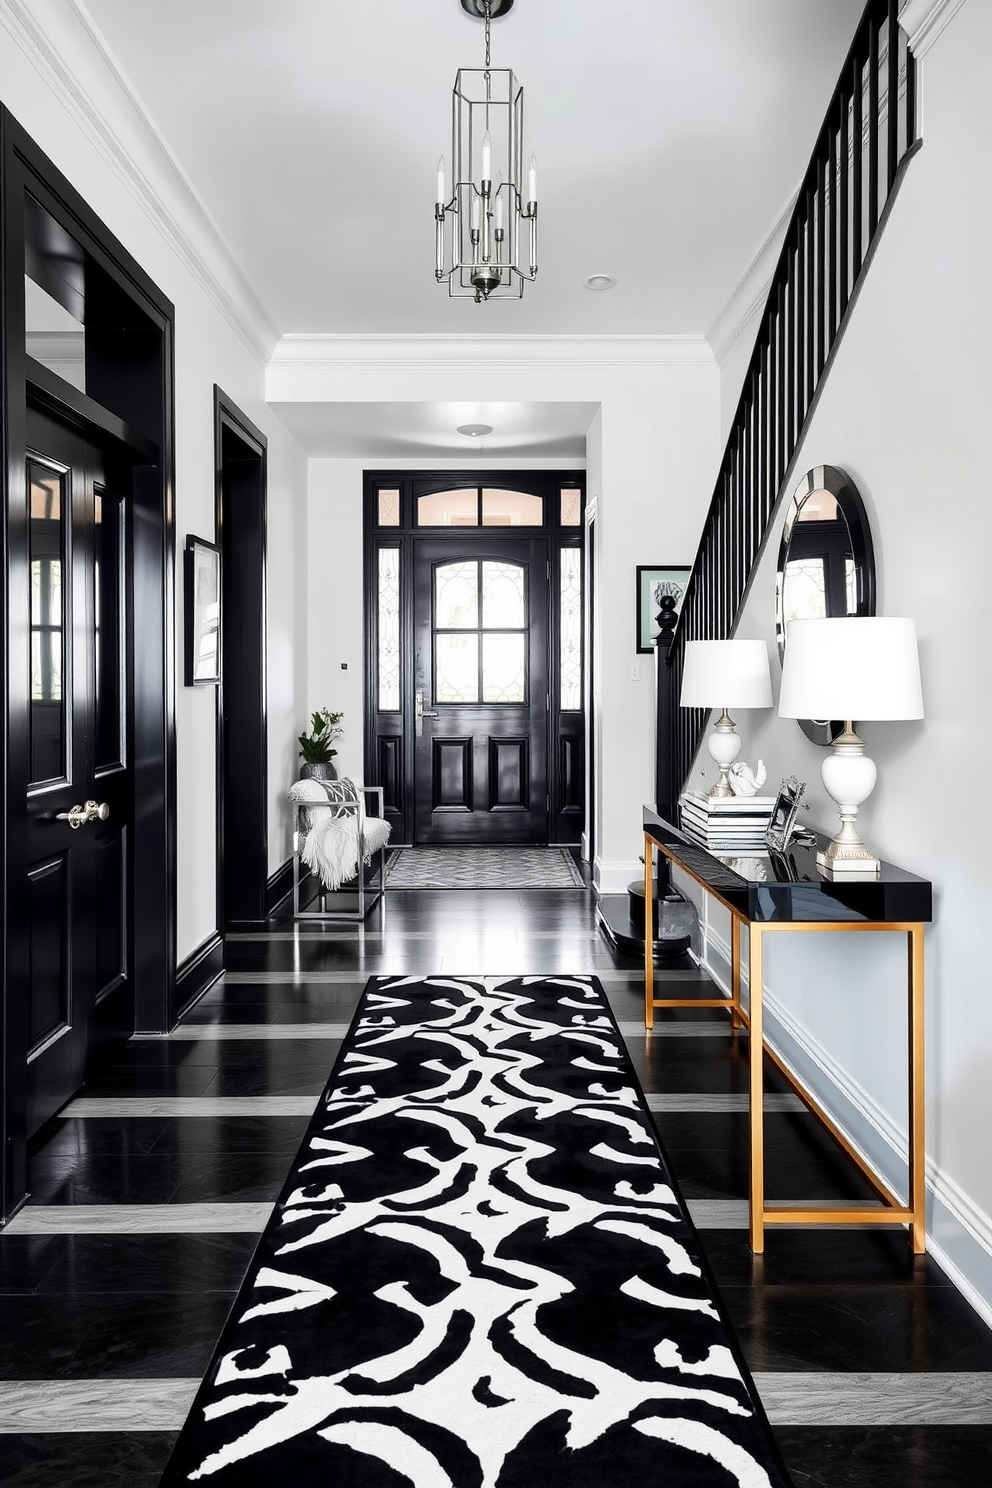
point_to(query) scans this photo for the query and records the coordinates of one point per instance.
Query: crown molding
(925, 20)
(224, 282)
(315, 352)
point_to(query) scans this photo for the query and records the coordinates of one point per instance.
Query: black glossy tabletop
(765, 887)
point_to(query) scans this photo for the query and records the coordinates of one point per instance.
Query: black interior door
(79, 794)
(481, 688)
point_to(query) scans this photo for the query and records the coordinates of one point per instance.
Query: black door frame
(389, 736)
(240, 486)
(129, 400)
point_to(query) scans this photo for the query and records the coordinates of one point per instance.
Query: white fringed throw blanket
(329, 845)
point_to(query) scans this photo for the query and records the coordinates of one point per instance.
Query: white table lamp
(859, 667)
(725, 674)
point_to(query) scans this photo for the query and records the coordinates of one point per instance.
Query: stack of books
(726, 824)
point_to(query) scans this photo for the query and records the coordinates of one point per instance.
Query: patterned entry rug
(478, 1274)
(483, 868)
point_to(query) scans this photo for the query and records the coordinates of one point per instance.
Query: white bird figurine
(744, 781)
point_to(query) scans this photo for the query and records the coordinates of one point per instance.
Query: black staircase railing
(867, 135)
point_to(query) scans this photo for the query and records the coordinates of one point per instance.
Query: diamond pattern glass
(804, 590)
(456, 668)
(389, 629)
(503, 596)
(570, 630)
(456, 596)
(504, 677)
(571, 507)
(389, 508)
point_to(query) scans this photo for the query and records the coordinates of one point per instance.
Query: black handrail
(838, 213)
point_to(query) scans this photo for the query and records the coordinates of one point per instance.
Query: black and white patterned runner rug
(478, 1274)
(483, 868)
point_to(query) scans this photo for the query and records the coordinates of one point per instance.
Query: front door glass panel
(48, 514)
(108, 590)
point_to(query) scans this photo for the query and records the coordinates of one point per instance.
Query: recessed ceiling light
(599, 281)
(474, 431)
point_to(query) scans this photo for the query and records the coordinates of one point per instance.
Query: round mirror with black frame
(826, 564)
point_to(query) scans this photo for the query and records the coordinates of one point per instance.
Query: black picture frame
(202, 597)
(672, 577)
(781, 827)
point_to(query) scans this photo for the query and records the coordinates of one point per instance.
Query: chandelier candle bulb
(487, 159)
(440, 182)
(532, 181)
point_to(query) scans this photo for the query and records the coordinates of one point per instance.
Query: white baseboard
(959, 1234)
(613, 877)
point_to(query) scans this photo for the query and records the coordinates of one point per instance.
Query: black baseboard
(279, 885)
(198, 972)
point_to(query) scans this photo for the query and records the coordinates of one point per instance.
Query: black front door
(79, 792)
(481, 690)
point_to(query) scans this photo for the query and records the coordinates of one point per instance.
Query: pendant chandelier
(486, 231)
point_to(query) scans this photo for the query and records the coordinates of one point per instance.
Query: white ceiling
(426, 431)
(669, 133)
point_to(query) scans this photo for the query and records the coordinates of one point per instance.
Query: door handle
(78, 816)
(419, 714)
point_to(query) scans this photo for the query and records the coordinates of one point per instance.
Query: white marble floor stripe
(732, 1214)
(817, 1399)
(574, 936)
(139, 1219)
(32, 1406)
(717, 1029)
(191, 1032)
(607, 975)
(121, 1107)
(924, 1399)
(290, 978)
(735, 1102)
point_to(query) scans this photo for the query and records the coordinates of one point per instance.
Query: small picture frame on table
(653, 585)
(202, 612)
(781, 827)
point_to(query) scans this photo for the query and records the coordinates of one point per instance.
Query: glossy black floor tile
(887, 1456)
(147, 1335)
(711, 1154)
(817, 1257)
(872, 1326)
(222, 1137)
(85, 1459)
(144, 1264)
(104, 1179)
(152, 1305)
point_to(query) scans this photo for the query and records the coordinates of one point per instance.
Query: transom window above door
(480, 627)
(480, 506)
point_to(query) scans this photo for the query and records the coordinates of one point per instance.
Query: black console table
(786, 892)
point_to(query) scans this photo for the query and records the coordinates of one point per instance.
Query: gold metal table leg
(917, 1141)
(648, 933)
(735, 973)
(756, 1092)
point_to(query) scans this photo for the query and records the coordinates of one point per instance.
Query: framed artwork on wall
(202, 612)
(653, 584)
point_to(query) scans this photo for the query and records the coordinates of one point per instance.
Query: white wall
(64, 92)
(656, 458)
(905, 412)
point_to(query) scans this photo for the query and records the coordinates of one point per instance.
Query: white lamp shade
(726, 674)
(858, 667)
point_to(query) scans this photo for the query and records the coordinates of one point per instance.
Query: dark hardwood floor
(149, 1192)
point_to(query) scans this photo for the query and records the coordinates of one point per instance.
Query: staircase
(868, 136)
